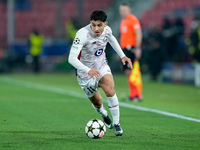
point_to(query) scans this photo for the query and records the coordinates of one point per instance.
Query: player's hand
(126, 59)
(94, 73)
(138, 53)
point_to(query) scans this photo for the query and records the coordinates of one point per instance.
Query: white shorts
(90, 86)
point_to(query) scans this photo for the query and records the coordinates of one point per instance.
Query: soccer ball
(95, 129)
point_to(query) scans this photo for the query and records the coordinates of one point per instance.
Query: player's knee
(97, 105)
(109, 91)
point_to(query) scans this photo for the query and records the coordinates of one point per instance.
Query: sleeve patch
(74, 47)
(76, 41)
(137, 26)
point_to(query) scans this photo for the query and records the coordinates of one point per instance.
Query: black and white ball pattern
(95, 129)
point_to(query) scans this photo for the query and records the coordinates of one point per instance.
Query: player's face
(98, 27)
(124, 11)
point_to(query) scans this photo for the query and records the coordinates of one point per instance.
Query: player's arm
(115, 45)
(73, 56)
(138, 34)
(75, 51)
(138, 52)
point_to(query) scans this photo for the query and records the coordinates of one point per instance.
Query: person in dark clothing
(155, 51)
(167, 33)
(194, 40)
(178, 47)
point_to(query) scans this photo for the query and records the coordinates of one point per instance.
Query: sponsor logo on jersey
(99, 52)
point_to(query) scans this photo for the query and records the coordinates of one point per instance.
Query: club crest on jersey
(105, 39)
(99, 52)
(76, 41)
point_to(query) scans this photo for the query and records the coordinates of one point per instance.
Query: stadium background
(19, 17)
(49, 110)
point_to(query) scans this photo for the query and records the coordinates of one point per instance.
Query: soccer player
(88, 56)
(130, 41)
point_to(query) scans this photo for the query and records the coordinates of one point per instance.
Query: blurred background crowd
(171, 31)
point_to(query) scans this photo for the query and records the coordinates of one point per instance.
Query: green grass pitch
(49, 112)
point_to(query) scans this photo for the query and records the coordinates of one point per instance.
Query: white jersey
(91, 50)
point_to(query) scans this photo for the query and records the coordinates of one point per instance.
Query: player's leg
(90, 87)
(98, 106)
(107, 84)
(97, 103)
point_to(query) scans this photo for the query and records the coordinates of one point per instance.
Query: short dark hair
(98, 15)
(125, 4)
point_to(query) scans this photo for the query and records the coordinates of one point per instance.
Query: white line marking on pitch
(79, 95)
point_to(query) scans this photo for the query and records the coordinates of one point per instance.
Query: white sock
(102, 111)
(113, 105)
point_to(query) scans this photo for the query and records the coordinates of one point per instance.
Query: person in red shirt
(130, 41)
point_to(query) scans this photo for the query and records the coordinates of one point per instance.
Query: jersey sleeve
(115, 45)
(78, 43)
(136, 24)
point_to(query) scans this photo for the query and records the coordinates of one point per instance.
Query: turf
(44, 118)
